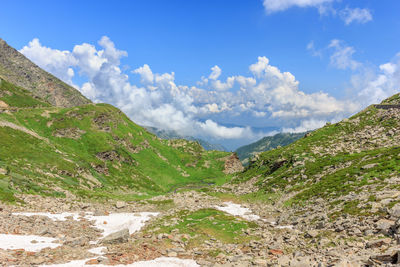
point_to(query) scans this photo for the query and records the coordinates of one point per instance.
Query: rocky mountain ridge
(17, 69)
(247, 152)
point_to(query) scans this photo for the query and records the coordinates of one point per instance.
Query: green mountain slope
(347, 164)
(17, 69)
(91, 150)
(164, 134)
(245, 153)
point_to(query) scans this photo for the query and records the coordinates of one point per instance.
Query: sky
(229, 72)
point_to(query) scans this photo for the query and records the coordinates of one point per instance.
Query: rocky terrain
(201, 227)
(84, 185)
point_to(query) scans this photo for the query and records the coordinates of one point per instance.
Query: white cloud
(216, 72)
(267, 95)
(272, 6)
(145, 73)
(357, 15)
(342, 57)
(374, 85)
(314, 52)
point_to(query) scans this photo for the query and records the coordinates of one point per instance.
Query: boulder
(120, 204)
(385, 226)
(117, 237)
(395, 210)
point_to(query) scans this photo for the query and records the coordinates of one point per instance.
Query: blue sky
(313, 60)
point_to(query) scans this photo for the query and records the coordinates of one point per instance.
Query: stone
(395, 210)
(260, 262)
(38, 260)
(117, 237)
(378, 243)
(311, 233)
(385, 226)
(172, 254)
(120, 204)
(345, 263)
(369, 166)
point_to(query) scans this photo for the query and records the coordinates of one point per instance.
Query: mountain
(169, 134)
(54, 142)
(266, 143)
(348, 166)
(18, 70)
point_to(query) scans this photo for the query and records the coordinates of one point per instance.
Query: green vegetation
(18, 97)
(351, 156)
(92, 151)
(204, 224)
(245, 153)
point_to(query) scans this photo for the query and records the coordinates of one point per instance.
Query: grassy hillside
(348, 164)
(245, 153)
(91, 150)
(168, 134)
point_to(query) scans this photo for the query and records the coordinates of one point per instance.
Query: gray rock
(395, 210)
(385, 226)
(120, 204)
(378, 243)
(369, 166)
(117, 237)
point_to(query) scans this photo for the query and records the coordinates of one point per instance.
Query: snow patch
(118, 221)
(32, 243)
(98, 250)
(237, 210)
(55, 217)
(111, 223)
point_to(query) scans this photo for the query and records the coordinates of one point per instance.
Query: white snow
(55, 217)
(8, 241)
(237, 210)
(159, 262)
(98, 250)
(118, 221)
(284, 227)
(111, 223)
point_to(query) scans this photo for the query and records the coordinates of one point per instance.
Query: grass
(301, 171)
(204, 225)
(50, 165)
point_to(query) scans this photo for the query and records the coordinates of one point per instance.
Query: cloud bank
(268, 95)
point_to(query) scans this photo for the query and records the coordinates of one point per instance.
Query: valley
(82, 184)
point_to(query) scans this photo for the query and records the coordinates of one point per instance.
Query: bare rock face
(17, 69)
(233, 164)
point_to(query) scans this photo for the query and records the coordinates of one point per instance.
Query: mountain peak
(19, 70)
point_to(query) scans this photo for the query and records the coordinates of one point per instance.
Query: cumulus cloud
(342, 57)
(356, 15)
(216, 72)
(267, 95)
(374, 85)
(272, 6)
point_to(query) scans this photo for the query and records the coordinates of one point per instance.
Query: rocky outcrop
(232, 164)
(17, 69)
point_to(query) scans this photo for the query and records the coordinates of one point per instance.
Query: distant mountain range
(266, 143)
(169, 134)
